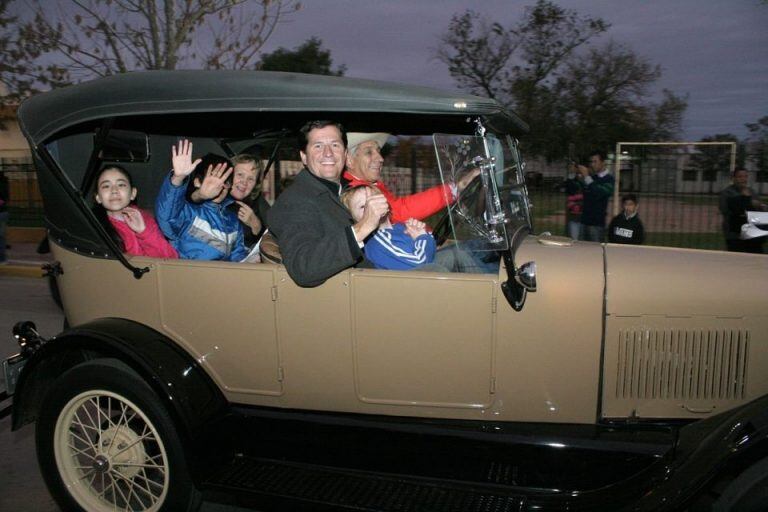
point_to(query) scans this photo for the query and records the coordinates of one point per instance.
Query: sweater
(393, 249)
(415, 206)
(623, 230)
(149, 242)
(597, 192)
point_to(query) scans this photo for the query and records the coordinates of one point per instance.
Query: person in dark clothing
(574, 203)
(735, 201)
(598, 189)
(626, 227)
(318, 237)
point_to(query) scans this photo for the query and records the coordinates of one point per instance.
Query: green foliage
(309, 57)
(589, 99)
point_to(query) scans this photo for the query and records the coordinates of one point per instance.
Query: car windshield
(494, 205)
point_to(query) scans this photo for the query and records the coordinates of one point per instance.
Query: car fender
(188, 393)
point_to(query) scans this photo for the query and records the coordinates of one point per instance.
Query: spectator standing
(574, 203)
(598, 188)
(626, 227)
(5, 196)
(734, 201)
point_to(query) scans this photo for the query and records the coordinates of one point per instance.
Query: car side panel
(686, 332)
(548, 357)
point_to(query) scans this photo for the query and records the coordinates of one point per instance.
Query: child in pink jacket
(134, 230)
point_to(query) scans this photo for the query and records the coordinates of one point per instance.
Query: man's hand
(214, 181)
(583, 170)
(465, 180)
(415, 228)
(248, 217)
(133, 219)
(181, 157)
(376, 208)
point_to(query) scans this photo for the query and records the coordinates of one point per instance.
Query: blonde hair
(346, 196)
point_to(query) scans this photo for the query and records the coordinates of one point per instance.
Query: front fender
(192, 399)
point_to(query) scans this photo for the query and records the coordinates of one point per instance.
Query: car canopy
(185, 92)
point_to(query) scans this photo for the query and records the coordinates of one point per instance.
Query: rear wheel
(105, 443)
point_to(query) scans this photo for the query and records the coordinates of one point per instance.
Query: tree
(600, 99)
(536, 67)
(19, 76)
(758, 145)
(89, 38)
(309, 57)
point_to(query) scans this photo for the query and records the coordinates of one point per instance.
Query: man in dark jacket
(735, 201)
(626, 227)
(598, 189)
(317, 236)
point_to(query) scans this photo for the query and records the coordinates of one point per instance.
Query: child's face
(630, 207)
(243, 180)
(113, 191)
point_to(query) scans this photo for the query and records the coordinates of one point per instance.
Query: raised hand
(415, 228)
(181, 158)
(246, 215)
(376, 208)
(214, 182)
(133, 219)
(465, 180)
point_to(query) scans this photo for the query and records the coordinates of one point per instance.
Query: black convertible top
(180, 92)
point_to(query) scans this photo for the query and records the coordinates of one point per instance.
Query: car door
(423, 338)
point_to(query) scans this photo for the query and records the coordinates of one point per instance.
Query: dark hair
(101, 213)
(739, 169)
(629, 197)
(600, 153)
(316, 125)
(211, 159)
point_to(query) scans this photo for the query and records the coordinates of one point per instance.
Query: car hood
(684, 282)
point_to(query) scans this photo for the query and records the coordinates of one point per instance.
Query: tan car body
(440, 345)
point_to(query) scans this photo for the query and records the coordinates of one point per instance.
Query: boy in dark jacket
(626, 227)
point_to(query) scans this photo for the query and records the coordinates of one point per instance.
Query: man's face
(740, 178)
(630, 207)
(596, 163)
(325, 153)
(243, 180)
(366, 162)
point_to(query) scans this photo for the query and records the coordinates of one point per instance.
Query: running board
(279, 485)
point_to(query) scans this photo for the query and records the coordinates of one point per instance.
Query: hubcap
(110, 455)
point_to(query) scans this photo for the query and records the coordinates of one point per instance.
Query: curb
(12, 270)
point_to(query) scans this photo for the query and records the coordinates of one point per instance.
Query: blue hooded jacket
(206, 231)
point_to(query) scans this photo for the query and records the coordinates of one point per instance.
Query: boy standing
(626, 227)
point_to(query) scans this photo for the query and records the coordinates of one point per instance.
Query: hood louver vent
(685, 365)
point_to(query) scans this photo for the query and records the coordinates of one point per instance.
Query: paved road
(21, 485)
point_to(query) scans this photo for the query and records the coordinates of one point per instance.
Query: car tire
(748, 492)
(105, 442)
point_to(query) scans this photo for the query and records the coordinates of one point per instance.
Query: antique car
(569, 376)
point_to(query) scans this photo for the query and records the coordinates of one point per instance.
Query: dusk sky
(716, 51)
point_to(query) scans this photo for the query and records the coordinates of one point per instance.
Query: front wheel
(105, 443)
